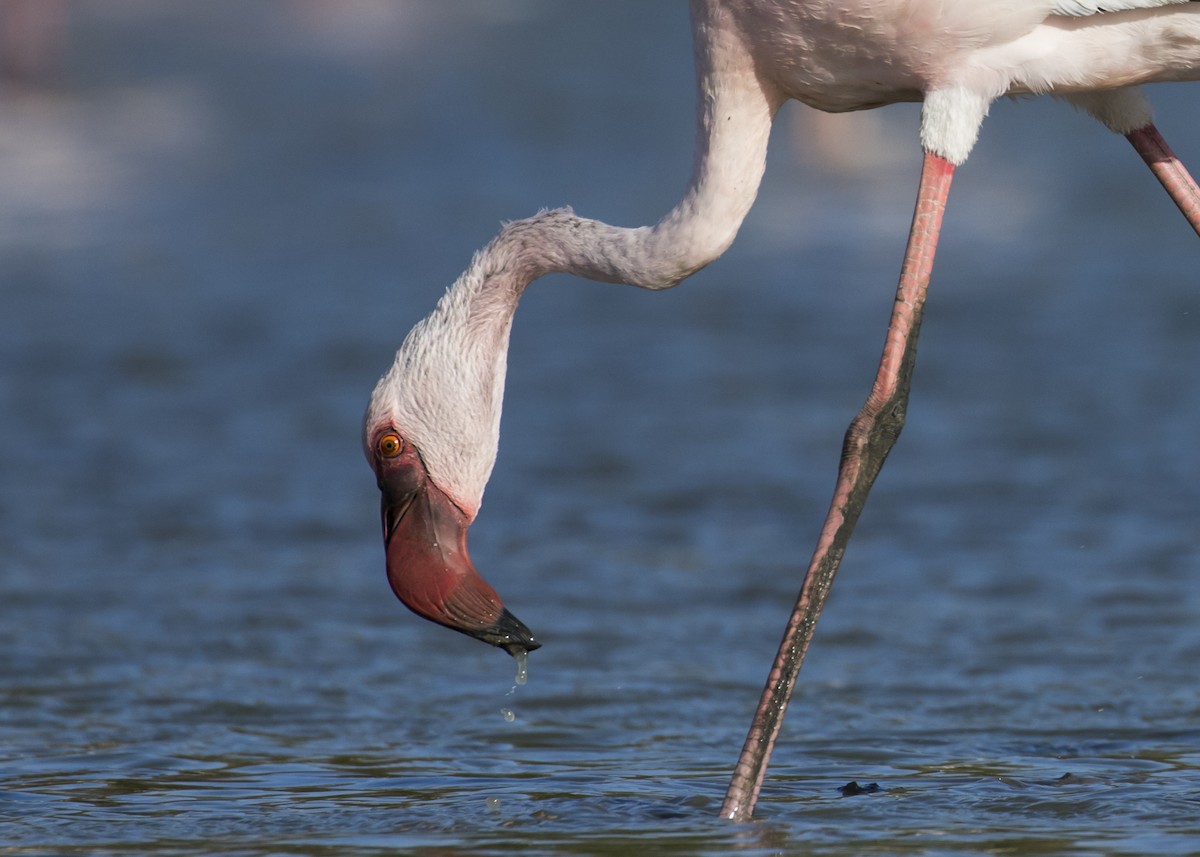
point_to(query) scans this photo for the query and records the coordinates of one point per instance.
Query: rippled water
(216, 227)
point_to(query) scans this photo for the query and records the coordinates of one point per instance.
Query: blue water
(217, 222)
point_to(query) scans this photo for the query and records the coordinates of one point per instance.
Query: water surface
(219, 220)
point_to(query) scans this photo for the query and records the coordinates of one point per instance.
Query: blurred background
(218, 220)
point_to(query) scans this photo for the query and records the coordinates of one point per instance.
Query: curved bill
(429, 569)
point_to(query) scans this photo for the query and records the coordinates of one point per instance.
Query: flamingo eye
(390, 445)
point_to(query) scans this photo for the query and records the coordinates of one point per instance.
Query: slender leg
(1169, 171)
(868, 441)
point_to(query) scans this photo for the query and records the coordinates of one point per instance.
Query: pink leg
(868, 441)
(1169, 171)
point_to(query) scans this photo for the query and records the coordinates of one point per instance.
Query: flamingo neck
(735, 111)
(447, 383)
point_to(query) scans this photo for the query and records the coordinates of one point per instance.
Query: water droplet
(509, 716)
(522, 659)
(493, 803)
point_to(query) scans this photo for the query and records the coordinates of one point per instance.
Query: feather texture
(1097, 7)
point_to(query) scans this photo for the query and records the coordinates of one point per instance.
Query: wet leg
(868, 440)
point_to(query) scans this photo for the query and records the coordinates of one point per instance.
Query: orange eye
(389, 446)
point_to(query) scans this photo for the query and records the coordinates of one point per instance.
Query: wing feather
(1079, 8)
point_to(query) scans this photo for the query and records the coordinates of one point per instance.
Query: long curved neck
(735, 110)
(446, 386)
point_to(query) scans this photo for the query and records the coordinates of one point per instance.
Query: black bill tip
(509, 633)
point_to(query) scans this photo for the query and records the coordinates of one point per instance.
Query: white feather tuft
(950, 121)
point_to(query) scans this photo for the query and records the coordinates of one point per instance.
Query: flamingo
(431, 429)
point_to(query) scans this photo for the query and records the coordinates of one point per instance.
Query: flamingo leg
(1169, 171)
(868, 440)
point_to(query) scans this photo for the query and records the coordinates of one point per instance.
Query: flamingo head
(430, 434)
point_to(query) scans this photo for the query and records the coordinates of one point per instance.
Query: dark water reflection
(216, 227)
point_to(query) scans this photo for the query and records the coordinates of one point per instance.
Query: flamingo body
(843, 55)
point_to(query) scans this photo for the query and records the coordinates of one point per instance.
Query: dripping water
(522, 658)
